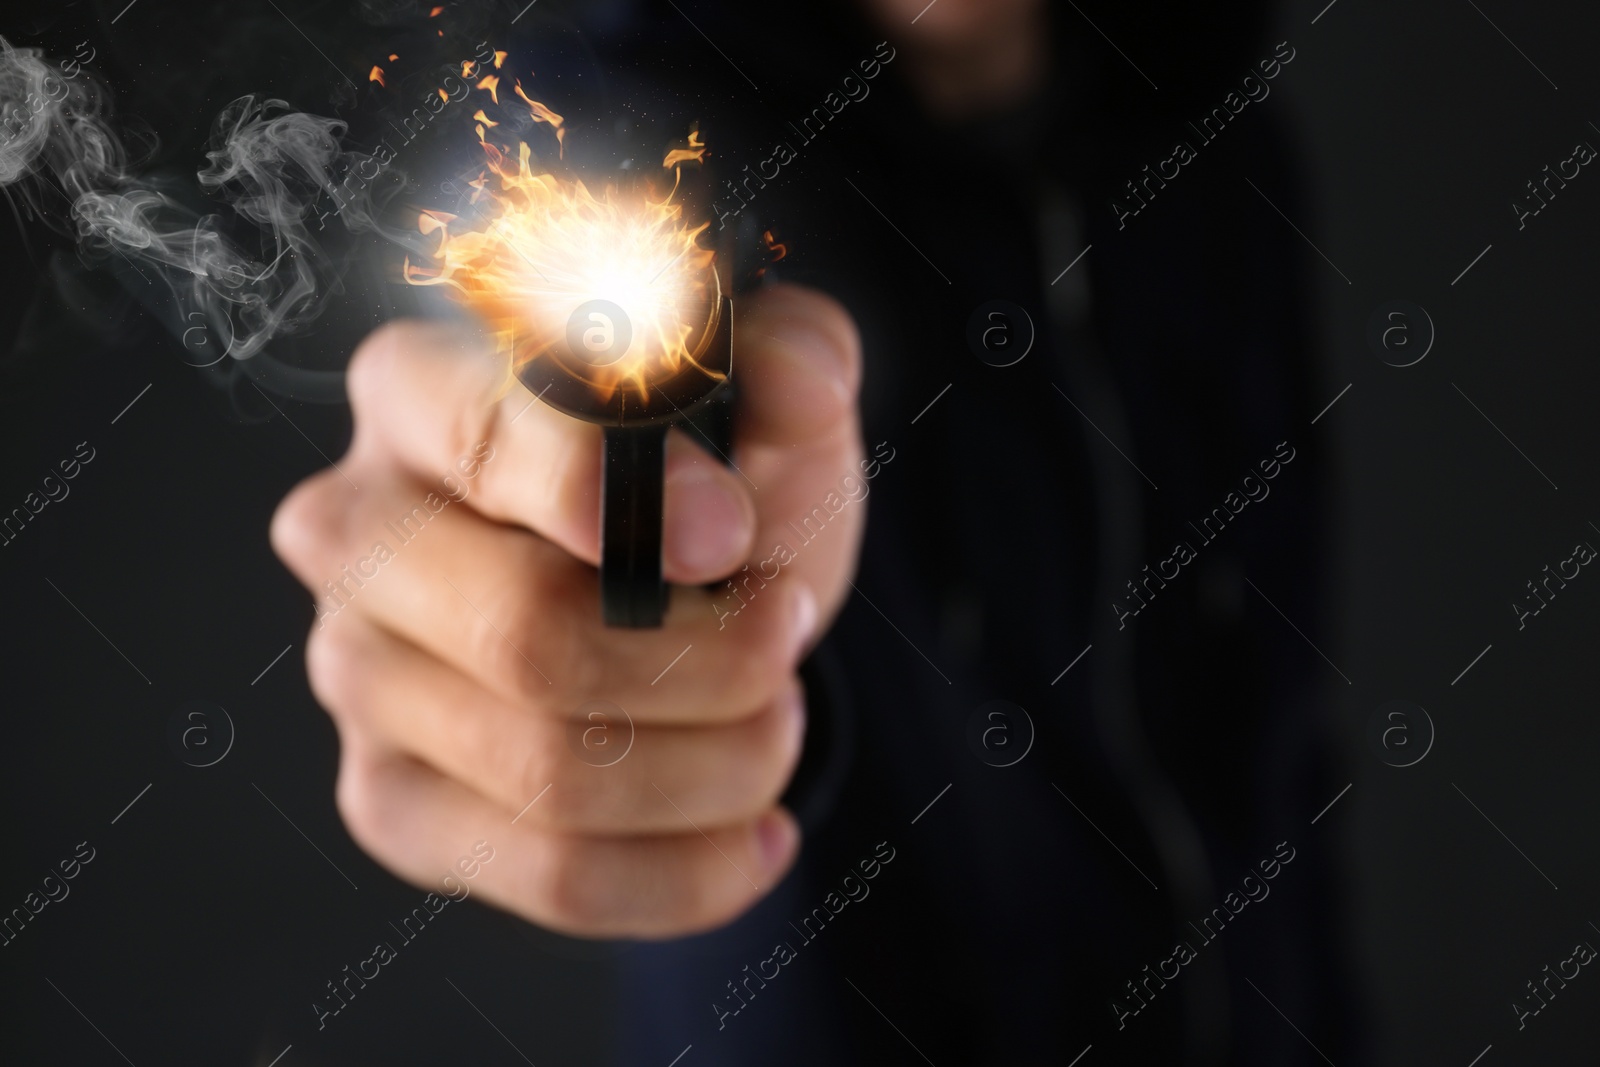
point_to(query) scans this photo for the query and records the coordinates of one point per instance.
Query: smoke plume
(235, 251)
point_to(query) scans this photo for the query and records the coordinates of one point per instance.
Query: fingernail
(818, 350)
(776, 836)
(797, 697)
(707, 525)
(793, 705)
(805, 617)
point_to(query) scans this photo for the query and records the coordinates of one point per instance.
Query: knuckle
(595, 800)
(764, 662)
(512, 644)
(526, 764)
(306, 522)
(356, 798)
(780, 745)
(532, 641)
(398, 358)
(761, 761)
(577, 896)
(334, 669)
(374, 362)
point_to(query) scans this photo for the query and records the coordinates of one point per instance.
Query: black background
(206, 920)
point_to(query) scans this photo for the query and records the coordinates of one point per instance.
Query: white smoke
(247, 273)
(51, 120)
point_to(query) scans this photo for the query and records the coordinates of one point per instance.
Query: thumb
(797, 360)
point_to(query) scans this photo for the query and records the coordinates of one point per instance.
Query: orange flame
(490, 83)
(547, 245)
(773, 245)
(377, 76)
(541, 113)
(694, 152)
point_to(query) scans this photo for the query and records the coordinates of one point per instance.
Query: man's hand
(456, 659)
